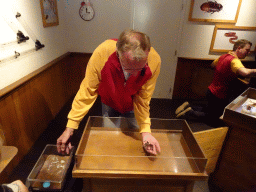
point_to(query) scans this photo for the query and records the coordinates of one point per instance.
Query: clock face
(86, 12)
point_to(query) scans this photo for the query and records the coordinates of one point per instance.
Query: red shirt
(223, 76)
(114, 90)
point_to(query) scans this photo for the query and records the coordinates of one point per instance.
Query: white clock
(86, 11)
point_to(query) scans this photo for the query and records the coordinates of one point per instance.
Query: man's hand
(63, 142)
(150, 144)
(19, 185)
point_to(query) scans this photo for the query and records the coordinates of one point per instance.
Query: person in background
(229, 71)
(253, 79)
(124, 73)
(16, 186)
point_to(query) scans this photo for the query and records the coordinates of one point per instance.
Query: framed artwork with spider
(49, 13)
(214, 11)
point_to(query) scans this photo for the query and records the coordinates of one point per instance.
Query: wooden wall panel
(9, 120)
(27, 109)
(236, 168)
(49, 90)
(193, 76)
(192, 79)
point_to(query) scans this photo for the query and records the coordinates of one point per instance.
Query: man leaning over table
(123, 72)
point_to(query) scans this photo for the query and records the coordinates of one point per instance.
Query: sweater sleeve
(236, 64)
(143, 97)
(215, 62)
(88, 92)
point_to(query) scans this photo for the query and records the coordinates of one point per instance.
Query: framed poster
(214, 11)
(49, 13)
(225, 36)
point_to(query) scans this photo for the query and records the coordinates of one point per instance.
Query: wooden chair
(7, 153)
(211, 142)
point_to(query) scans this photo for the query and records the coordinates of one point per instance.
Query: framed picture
(225, 36)
(214, 11)
(49, 13)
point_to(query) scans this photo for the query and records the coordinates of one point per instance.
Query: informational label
(249, 107)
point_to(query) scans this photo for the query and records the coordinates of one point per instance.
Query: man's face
(243, 52)
(130, 65)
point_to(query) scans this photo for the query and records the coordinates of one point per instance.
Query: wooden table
(112, 159)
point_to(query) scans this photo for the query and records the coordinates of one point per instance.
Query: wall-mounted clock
(86, 11)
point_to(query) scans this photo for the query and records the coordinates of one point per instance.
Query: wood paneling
(235, 170)
(193, 76)
(27, 106)
(142, 185)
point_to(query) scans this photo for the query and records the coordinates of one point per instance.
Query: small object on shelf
(17, 54)
(38, 45)
(26, 27)
(21, 37)
(17, 15)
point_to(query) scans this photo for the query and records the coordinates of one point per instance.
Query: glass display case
(50, 170)
(108, 149)
(242, 110)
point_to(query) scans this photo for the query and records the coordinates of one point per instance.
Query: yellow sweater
(88, 92)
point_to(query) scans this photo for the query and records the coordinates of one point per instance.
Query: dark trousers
(211, 112)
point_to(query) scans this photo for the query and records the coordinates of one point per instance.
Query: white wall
(111, 17)
(196, 37)
(160, 20)
(54, 39)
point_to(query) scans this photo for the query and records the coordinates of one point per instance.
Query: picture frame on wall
(49, 13)
(224, 37)
(214, 11)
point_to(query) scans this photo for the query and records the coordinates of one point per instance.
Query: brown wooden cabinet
(236, 166)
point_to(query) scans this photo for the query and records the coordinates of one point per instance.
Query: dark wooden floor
(160, 108)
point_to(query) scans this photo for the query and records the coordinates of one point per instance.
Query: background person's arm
(214, 63)
(245, 72)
